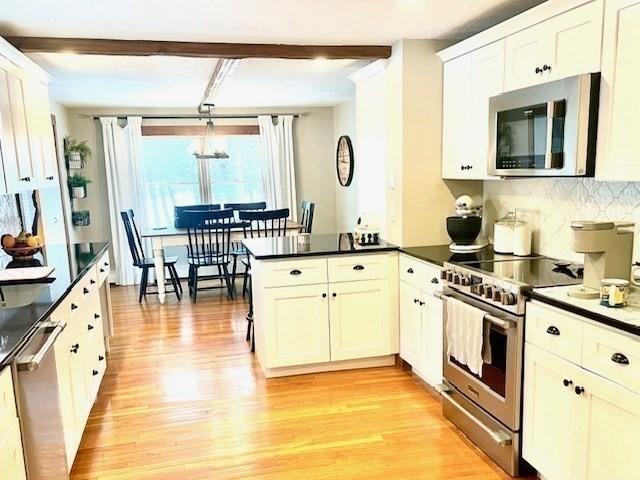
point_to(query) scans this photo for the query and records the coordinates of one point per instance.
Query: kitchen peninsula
(322, 303)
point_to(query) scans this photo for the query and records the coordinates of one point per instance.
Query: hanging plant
(78, 185)
(77, 153)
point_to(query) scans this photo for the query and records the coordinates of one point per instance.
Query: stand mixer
(607, 248)
(465, 226)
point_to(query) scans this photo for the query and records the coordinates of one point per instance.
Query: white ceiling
(263, 21)
(109, 81)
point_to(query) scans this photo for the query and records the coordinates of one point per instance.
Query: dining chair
(237, 248)
(259, 224)
(209, 244)
(145, 263)
(306, 216)
(179, 210)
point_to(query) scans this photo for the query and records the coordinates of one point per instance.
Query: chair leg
(175, 273)
(234, 271)
(245, 281)
(250, 314)
(195, 284)
(143, 284)
(220, 275)
(190, 280)
(174, 281)
(227, 280)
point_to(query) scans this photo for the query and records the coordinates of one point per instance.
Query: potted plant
(81, 218)
(76, 152)
(78, 185)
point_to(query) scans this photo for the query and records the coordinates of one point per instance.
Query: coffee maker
(607, 248)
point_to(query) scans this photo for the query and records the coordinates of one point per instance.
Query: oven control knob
(474, 288)
(449, 276)
(443, 274)
(465, 281)
(456, 279)
(509, 299)
(497, 295)
(488, 291)
(481, 289)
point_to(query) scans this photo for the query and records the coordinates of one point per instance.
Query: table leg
(158, 260)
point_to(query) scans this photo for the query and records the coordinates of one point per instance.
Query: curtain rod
(188, 116)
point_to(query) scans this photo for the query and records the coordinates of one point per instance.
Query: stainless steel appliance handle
(500, 438)
(549, 139)
(503, 324)
(32, 362)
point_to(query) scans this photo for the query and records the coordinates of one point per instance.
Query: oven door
(497, 389)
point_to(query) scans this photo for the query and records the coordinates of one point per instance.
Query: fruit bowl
(22, 253)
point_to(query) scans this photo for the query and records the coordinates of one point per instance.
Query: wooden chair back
(306, 216)
(209, 234)
(265, 223)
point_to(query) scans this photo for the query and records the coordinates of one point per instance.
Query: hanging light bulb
(211, 146)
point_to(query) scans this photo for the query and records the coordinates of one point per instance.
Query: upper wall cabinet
(618, 156)
(565, 45)
(26, 135)
(469, 81)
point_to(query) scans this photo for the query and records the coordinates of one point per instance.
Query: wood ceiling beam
(95, 46)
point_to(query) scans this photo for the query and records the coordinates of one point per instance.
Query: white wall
(314, 152)
(344, 123)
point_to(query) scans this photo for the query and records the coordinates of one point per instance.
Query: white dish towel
(465, 332)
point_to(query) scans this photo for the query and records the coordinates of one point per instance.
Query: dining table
(170, 236)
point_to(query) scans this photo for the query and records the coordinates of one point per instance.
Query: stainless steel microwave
(545, 130)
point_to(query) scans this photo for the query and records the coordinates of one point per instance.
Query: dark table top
(23, 306)
(310, 245)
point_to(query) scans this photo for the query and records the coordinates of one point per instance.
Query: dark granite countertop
(612, 317)
(310, 245)
(23, 306)
(438, 254)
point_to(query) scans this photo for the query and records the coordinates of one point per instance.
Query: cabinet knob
(415, 300)
(579, 390)
(324, 295)
(334, 294)
(552, 330)
(295, 272)
(409, 270)
(75, 348)
(102, 270)
(620, 358)
(538, 70)
(85, 290)
(421, 303)
(49, 178)
(567, 382)
(90, 327)
(100, 358)
(106, 264)
(435, 280)
(94, 372)
(358, 267)
(96, 316)
(74, 306)
(92, 281)
(546, 67)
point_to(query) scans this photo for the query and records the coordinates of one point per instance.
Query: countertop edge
(591, 315)
(423, 258)
(34, 327)
(323, 254)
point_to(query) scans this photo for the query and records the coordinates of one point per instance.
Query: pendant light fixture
(210, 147)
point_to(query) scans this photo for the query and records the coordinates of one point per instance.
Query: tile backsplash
(550, 204)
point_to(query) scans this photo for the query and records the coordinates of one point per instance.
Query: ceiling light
(210, 147)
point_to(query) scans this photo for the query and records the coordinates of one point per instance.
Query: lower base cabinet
(11, 457)
(576, 424)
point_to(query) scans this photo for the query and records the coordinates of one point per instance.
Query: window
(171, 175)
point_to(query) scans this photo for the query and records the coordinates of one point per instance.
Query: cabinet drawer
(420, 274)
(358, 267)
(7, 399)
(555, 331)
(294, 272)
(11, 455)
(103, 267)
(613, 355)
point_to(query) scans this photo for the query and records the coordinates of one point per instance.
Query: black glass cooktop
(535, 272)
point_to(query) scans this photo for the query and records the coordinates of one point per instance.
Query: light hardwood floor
(184, 399)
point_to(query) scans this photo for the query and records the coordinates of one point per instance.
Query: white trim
(533, 16)
(19, 59)
(383, 361)
(369, 70)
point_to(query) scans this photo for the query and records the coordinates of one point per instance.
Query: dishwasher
(40, 402)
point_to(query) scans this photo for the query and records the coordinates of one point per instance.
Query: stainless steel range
(487, 406)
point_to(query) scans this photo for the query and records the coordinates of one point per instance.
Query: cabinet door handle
(421, 303)
(358, 267)
(75, 348)
(567, 382)
(409, 270)
(49, 178)
(620, 358)
(415, 300)
(94, 372)
(553, 330)
(90, 327)
(295, 272)
(579, 390)
(74, 306)
(546, 67)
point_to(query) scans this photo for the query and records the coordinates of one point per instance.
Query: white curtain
(122, 154)
(278, 172)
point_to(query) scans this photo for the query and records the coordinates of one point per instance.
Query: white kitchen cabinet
(562, 46)
(43, 154)
(11, 457)
(457, 123)
(549, 415)
(430, 360)
(608, 430)
(618, 155)
(359, 320)
(299, 331)
(469, 82)
(410, 323)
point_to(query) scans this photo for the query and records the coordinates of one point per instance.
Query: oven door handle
(503, 324)
(500, 438)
